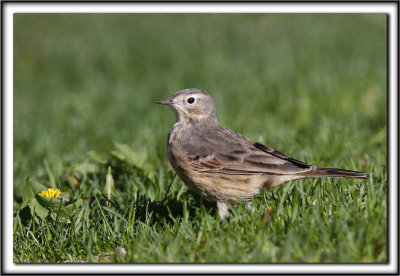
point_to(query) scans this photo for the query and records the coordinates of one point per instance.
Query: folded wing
(232, 153)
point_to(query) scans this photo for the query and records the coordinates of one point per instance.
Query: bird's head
(192, 105)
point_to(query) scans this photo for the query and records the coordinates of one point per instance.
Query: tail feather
(332, 172)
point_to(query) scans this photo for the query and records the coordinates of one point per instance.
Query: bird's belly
(225, 187)
(218, 186)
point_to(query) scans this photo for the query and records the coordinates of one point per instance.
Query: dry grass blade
(266, 215)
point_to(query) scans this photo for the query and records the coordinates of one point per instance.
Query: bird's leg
(222, 210)
(249, 206)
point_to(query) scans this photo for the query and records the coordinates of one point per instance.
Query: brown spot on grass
(362, 160)
(71, 179)
(266, 215)
(304, 259)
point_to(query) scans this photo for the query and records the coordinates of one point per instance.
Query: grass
(312, 86)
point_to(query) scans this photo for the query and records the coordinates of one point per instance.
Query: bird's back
(217, 149)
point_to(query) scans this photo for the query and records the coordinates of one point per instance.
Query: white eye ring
(191, 100)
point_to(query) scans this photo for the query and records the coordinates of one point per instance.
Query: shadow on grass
(172, 209)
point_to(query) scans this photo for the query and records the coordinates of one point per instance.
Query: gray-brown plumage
(222, 165)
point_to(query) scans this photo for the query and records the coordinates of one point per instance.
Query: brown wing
(225, 151)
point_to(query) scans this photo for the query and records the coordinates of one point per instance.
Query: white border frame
(11, 8)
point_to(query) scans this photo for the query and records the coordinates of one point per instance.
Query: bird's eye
(191, 100)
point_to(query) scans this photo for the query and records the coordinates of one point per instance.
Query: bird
(222, 165)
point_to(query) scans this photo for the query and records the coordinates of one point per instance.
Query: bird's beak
(166, 102)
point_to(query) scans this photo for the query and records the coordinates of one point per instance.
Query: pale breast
(178, 157)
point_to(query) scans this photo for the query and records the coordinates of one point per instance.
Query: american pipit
(222, 165)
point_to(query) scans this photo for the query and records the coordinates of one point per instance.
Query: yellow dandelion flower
(53, 193)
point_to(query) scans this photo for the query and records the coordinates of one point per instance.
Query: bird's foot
(249, 206)
(222, 210)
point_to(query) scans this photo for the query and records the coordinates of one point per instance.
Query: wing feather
(231, 153)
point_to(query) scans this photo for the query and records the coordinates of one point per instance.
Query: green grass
(312, 86)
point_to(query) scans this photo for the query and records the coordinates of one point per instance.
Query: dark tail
(331, 172)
